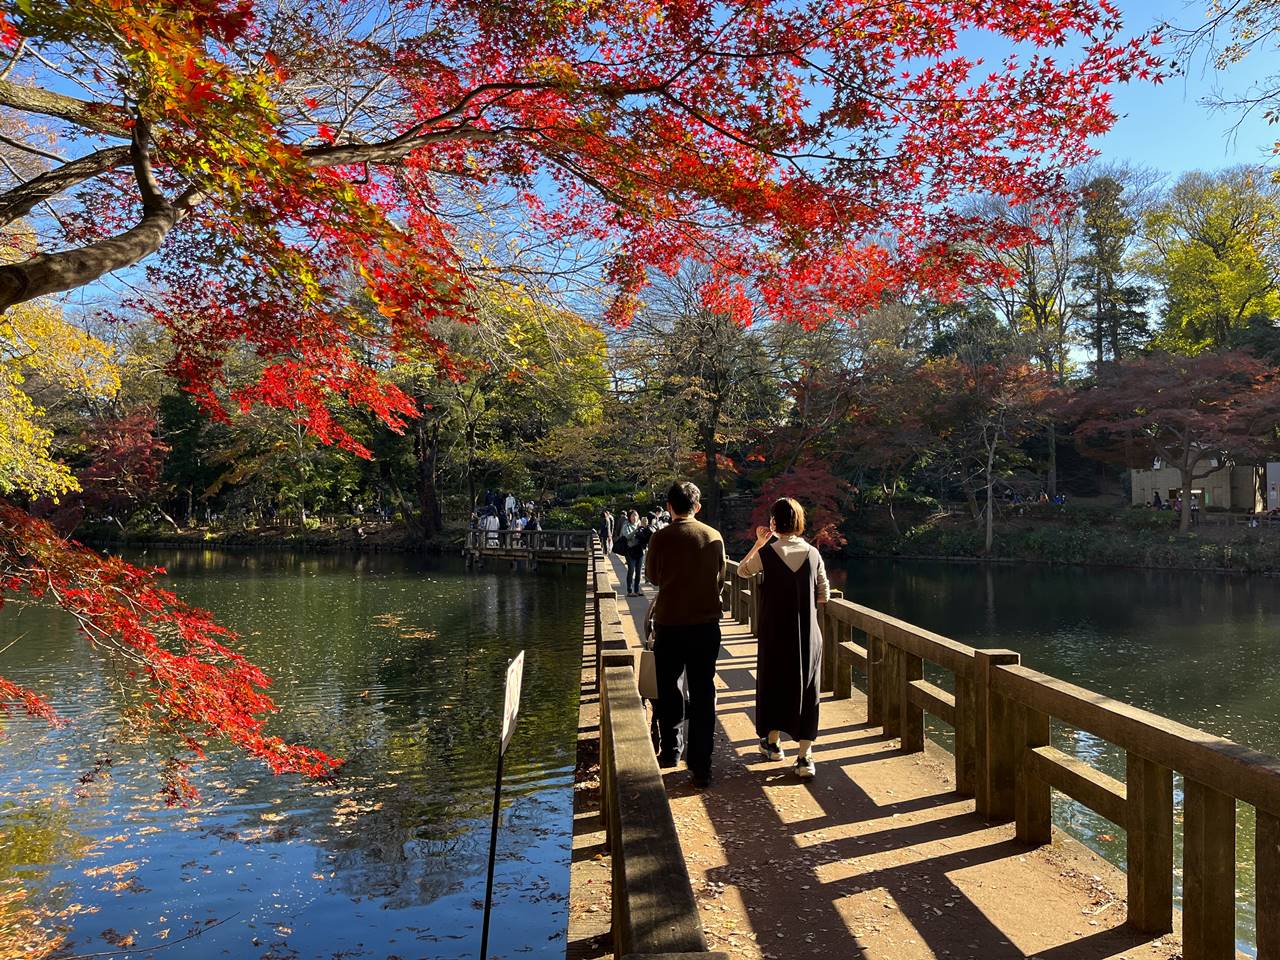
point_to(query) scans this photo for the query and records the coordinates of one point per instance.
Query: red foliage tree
(126, 459)
(1194, 414)
(262, 162)
(824, 496)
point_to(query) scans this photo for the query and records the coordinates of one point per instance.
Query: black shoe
(700, 779)
(668, 760)
(772, 751)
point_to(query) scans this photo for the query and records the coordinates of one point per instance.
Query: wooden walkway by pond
(896, 851)
(529, 546)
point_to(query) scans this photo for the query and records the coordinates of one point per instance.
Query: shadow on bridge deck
(877, 857)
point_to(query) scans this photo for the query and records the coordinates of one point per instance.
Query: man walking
(687, 565)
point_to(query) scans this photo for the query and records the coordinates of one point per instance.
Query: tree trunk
(889, 491)
(426, 445)
(1184, 520)
(990, 479)
(1053, 460)
(711, 495)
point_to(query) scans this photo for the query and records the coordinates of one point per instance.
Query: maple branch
(22, 199)
(102, 117)
(48, 273)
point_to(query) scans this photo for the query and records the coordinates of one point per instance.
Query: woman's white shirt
(792, 550)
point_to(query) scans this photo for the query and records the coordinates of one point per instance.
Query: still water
(1200, 648)
(395, 664)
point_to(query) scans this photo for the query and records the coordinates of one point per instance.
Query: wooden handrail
(1002, 711)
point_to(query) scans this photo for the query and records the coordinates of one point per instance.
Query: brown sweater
(686, 562)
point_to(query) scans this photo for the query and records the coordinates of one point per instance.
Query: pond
(1200, 648)
(395, 664)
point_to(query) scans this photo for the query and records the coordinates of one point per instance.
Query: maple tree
(824, 496)
(252, 174)
(1193, 414)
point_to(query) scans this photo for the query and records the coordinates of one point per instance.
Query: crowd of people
(506, 512)
(1174, 503)
(629, 538)
(685, 560)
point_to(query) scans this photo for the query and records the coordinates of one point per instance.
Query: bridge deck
(876, 858)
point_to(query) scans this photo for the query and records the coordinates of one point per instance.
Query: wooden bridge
(530, 546)
(899, 849)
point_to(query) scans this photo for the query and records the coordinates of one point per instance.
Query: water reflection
(395, 664)
(1199, 648)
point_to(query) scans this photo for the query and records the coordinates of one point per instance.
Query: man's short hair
(684, 497)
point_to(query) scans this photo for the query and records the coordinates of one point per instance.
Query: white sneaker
(805, 768)
(773, 751)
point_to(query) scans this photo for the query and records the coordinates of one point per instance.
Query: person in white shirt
(793, 585)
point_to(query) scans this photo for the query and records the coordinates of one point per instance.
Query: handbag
(647, 674)
(647, 667)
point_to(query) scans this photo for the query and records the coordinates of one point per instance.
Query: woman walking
(789, 663)
(634, 540)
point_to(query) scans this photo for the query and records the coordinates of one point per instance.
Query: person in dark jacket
(793, 585)
(687, 564)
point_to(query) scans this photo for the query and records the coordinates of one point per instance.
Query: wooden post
(911, 726)
(891, 715)
(966, 776)
(1267, 901)
(875, 680)
(842, 689)
(1150, 833)
(994, 737)
(1033, 801)
(830, 635)
(1208, 873)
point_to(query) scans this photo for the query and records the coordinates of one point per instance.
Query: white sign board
(511, 701)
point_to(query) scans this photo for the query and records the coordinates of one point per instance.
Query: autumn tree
(826, 499)
(251, 166)
(689, 361)
(887, 433)
(1196, 415)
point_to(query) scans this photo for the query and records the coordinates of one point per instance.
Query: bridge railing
(654, 908)
(529, 541)
(1002, 713)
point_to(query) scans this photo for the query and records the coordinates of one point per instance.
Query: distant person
(1195, 508)
(606, 531)
(1156, 503)
(510, 506)
(687, 564)
(789, 661)
(630, 536)
(489, 523)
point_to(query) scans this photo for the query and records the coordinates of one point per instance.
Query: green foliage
(1211, 247)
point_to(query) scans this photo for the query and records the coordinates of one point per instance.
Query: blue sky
(1168, 127)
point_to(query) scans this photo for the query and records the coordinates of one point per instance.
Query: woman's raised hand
(763, 534)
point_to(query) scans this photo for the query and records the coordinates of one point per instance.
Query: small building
(1244, 487)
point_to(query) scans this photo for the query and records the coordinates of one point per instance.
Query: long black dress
(789, 658)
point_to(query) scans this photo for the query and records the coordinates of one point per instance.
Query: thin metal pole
(493, 852)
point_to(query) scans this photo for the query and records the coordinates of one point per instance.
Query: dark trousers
(692, 651)
(635, 566)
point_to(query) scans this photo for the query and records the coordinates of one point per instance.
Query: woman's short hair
(788, 516)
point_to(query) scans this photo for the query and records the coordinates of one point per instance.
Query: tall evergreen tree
(1112, 307)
